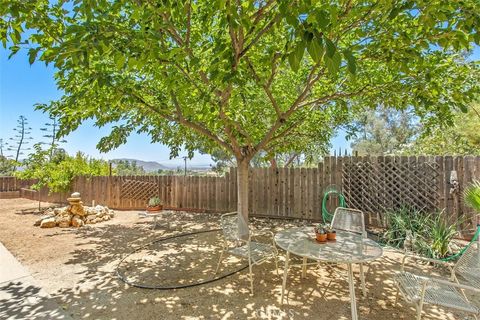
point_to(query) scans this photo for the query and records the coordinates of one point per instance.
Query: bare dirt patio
(77, 268)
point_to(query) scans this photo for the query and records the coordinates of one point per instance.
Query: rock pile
(74, 215)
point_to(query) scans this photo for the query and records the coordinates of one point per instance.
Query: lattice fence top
(138, 190)
(376, 187)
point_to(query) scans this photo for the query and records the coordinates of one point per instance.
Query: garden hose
(461, 252)
(170, 287)
(327, 216)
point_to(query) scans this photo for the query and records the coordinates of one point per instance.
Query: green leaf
(351, 63)
(295, 57)
(13, 51)
(32, 55)
(119, 60)
(394, 12)
(323, 19)
(307, 36)
(330, 48)
(292, 60)
(315, 49)
(333, 63)
(132, 62)
(300, 50)
(291, 20)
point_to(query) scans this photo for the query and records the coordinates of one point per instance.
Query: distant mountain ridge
(150, 166)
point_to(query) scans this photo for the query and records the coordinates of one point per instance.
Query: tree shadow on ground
(22, 300)
(323, 294)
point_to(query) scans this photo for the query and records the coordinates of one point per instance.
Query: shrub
(401, 222)
(58, 173)
(472, 195)
(428, 234)
(154, 201)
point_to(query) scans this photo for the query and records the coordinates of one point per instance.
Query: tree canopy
(461, 138)
(382, 131)
(389, 131)
(248, 76)
(57, 172)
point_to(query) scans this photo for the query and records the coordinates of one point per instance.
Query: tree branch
(265, 87)
(180, 119)
(260, 34)
(260, 12)
(189, 24)
(291, 159)
(332, 97)
(310, 81)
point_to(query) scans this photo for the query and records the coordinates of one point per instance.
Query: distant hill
(148, 166)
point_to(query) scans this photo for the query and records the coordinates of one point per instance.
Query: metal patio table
(348, 248)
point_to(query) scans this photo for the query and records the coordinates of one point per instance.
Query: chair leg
(362, 280)
(419, 310)
(285, 272)
(396, 296)
(276, 264)
(304, 268)
(419, 305)
(251, 275)
(220, 260)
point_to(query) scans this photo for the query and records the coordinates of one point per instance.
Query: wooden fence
(372, 184)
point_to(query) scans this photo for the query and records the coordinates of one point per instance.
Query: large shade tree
(246, 76)
(383, 131)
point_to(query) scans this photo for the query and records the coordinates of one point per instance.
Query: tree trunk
(242, 204)
(273, 163)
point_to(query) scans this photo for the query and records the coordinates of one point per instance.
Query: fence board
(372, 184)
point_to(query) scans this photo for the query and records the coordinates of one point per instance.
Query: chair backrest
(229, 225)
(468, 266)
(347, 219)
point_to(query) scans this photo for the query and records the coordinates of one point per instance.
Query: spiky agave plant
(472, 195)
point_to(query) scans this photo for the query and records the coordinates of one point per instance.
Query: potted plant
(154, 204)
(320, 233)
(331, 233)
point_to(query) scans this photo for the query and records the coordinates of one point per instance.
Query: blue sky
(22, 86)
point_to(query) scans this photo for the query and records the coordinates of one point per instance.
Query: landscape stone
(75, 215)
(63, 221)
(77, 209)
(39, 220)
(48, 223)
(77, 221)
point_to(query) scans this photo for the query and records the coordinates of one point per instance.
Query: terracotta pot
(331, 235)
(155, 209)
(321, 237)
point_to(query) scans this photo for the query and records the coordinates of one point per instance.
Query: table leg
(304, 268)
(351, 285)
(285, 272)
(154, 222)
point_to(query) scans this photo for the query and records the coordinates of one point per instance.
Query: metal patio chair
(464, 276)
(351, 220)
(256, 252)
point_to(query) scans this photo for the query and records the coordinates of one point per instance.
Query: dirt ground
(78, 268)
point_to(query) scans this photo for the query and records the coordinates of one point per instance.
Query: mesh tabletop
(347, 248)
